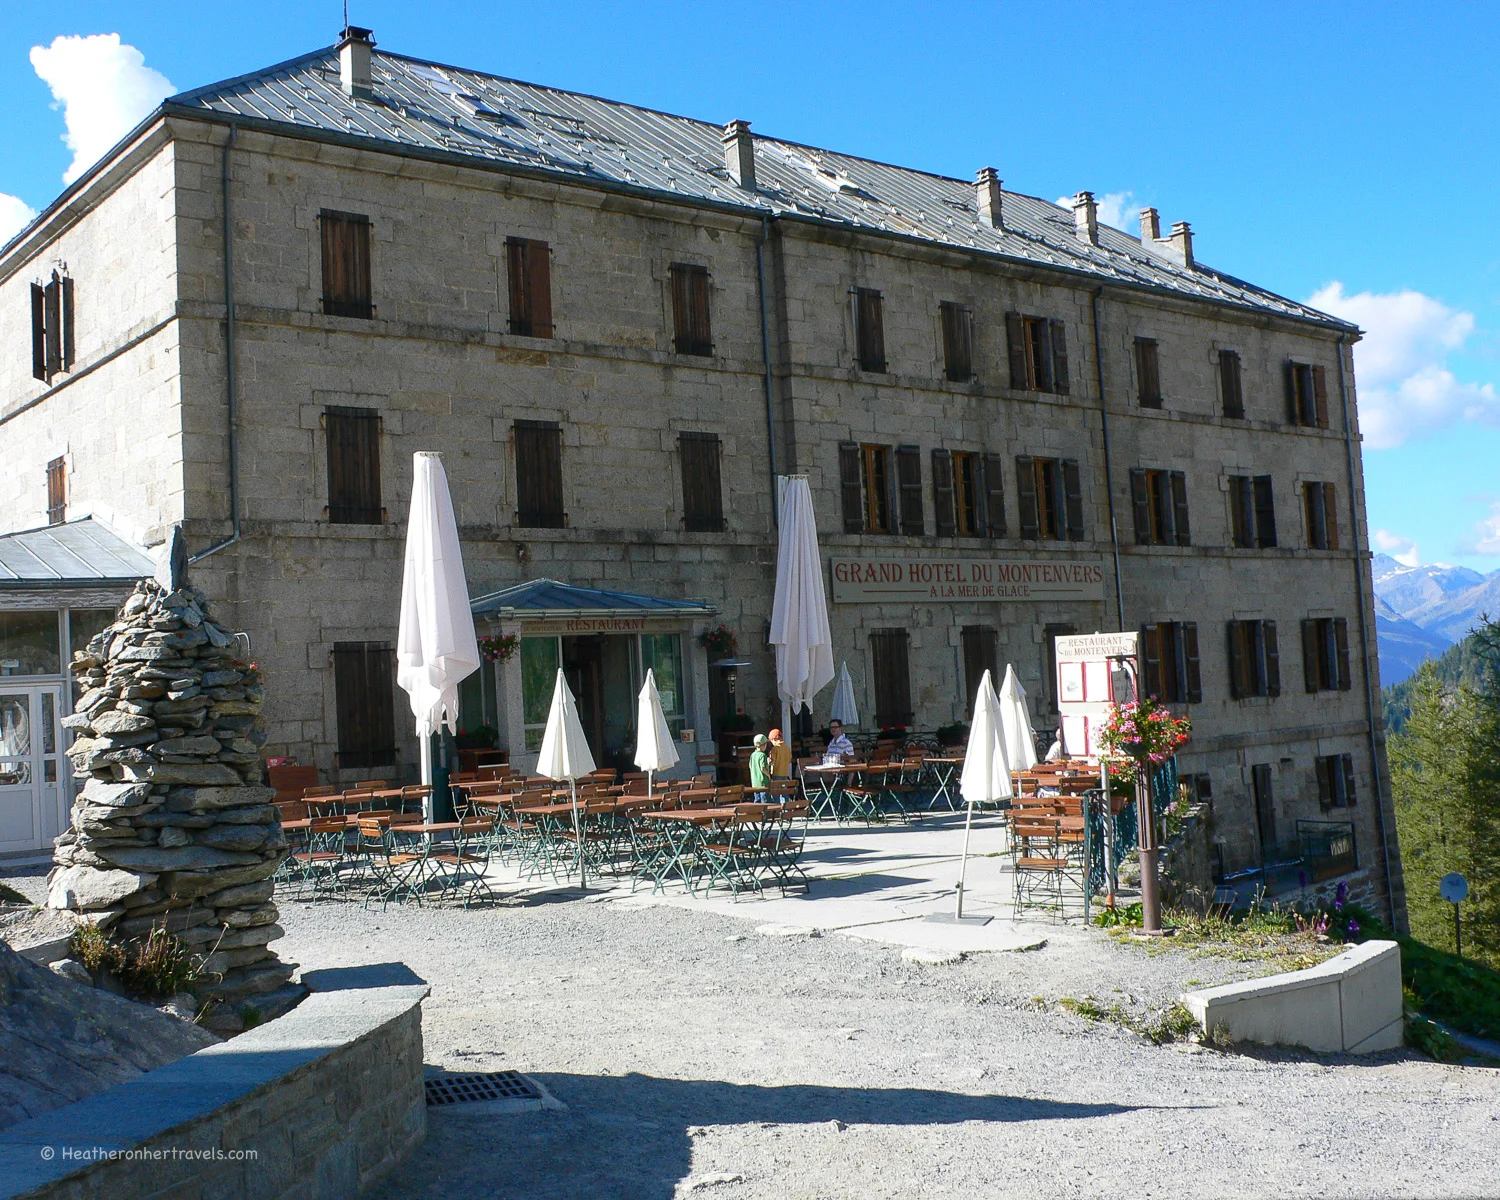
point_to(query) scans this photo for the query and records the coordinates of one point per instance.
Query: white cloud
(1113, 207)
(1402, 549)
(104, 88)
(1485, 538)
(1405, 386)
(14, 214)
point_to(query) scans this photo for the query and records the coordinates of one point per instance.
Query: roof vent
(739, 154)
(987, 185)
(1086, 218)
(354, 61)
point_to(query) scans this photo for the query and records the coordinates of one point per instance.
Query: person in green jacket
(760, 764)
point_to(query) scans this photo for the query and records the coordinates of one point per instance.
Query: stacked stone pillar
(172, 825)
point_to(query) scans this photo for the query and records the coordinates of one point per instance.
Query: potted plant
(500, 647)
(952, 735)
(719, 641)
(481, 737)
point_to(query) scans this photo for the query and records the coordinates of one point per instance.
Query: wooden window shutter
(891, 514)
(1191, 672)
(979, 648)
(1265, 511)
(52, 317)
(1273, 658)
(1242, 510)
(530, 269)
(364, 689)
(57, 491)
(869, 330)
(690, 316)
(702, 485)
(1237, 664)
(38, 331)
(1148, 373)
(1180, 509)
(1317, 522)
(909, 489)
(1026, 498)
(850, 490)
(992, 468)
(1150, 654)
(1347, 761)
(1330, 516)
(353, 437)
(943, 517)
(888, 650)
(958, 338)
(1341, 652)
(1310, 654)
(346, 264)
(1320, 396)
(1140, 499)
(67, 322)
(1073, 494)
(1325, 781)
(539, 499)
(1293, 409)
(1059, 356)
(1230, 384)
(1265, 804)
(1015, 336)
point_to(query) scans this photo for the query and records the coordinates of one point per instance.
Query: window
(1306, 395)
(693, 334)
(1325, 654)
(1335, 780)
(539, 499)
(979, 656)
(346, 264)
(892, 678)
(1320, 505)
(1265, 806)
(1038, 353)
(1169, 662)
(968, 493)
(540, 659)
(30, 641)
(702, 489)
(909, 483)
(1161, 511)
(353, 465)
(530, 265)
(1051, 498)
(1230, 390)
(57, 491)
(869, 330)
(1254, 659)
(366, 699)
(1147, 373)
(867, 485)
(1252, 511)
(52, 326)
(958, 340)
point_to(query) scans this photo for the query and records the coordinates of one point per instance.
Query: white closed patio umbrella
(565, 754)
(799, 612)
(1015, 723)
(435, 644)
(844, 710)
(654, 748)
(985, 778)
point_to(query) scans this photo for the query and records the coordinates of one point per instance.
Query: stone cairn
(172, 826)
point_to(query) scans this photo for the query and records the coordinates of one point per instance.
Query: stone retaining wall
(319, 1104)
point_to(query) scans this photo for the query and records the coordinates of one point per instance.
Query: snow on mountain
(1421, 611)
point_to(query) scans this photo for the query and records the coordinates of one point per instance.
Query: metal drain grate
(480, 1085)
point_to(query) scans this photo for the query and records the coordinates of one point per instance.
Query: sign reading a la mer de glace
(921, 577)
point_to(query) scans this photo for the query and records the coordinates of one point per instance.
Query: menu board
(1091, 678)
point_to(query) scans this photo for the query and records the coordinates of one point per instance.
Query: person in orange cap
(781, 757)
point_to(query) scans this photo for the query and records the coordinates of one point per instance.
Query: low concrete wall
(320, 1103)
(1351, 1003)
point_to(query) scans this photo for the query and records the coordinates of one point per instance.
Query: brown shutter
(979, 647)
(1289, 379)
(1059, 357)
(1237, 664)
(909, 481)
(57, 491)
(520, 309)
(530, 267)
(1348, 764)
(539, 499)
(1192, 673)
(1150, 656)
(1040, 331)
(1325, 780)
(1341, 650)
(958, 338)
(1148, 373)
(993, 468)
(38, 331)
(67, 322)
(365, 704)
(690, 316)
(1310, 650)
(1331, 516)
(702, 486)
(1273, 658)
(1265, 511)
(869, 331)
(1073, 495)
(1320, 396)
(851, 493)
(942, 493)
(1140, 499)
(1265, 805)
(1180, 509)
(353, 437)
(891, 516)
(52, 318)
(1229, 384)
(1015, 336)
(888, 650)
(1026, 498)
(346, 264)
(1241, 511)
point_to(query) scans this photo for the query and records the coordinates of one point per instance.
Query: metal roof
(80, 553)
(542, 598)
(428, 108)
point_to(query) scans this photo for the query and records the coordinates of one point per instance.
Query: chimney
(354, 61)
(987, 185)
(739, 154)
(1086, 218)
(1150, 226)
(1182, 242)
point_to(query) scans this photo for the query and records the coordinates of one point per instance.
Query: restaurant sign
(568, 626)
(918, 577)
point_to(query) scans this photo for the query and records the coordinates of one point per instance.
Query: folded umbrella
(1015, 723)
(986, 772)
(654, 748)
(844, 709)
(799, 611)
(565, 754)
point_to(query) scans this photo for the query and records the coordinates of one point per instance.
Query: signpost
(1454, 888)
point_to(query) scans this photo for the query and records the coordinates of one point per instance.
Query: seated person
(840, 748)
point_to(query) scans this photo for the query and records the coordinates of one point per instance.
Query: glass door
(33, 805)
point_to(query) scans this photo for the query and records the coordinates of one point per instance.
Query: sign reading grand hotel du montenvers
(919, 577)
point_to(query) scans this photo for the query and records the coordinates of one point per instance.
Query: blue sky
(1340, 151)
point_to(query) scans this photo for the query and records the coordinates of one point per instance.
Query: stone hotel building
(619, 327)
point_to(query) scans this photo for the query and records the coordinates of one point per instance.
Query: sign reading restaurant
(923, 578)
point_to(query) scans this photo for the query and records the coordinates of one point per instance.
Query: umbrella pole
(429, 804)
(963, 863)
(578, 836)
(648, 784)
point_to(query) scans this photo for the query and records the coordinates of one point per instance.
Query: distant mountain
(1404, 645)
(1421, 611)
